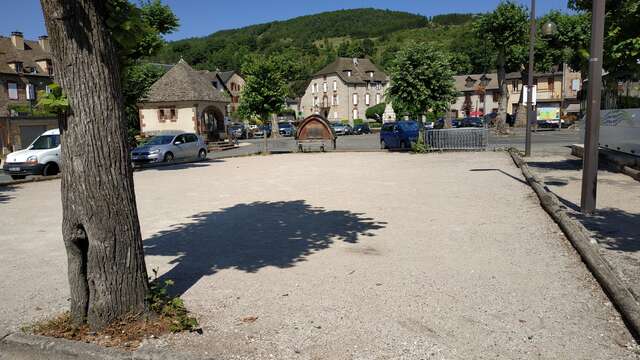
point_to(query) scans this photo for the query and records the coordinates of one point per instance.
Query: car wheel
(50, 169)
(202, 154)
(18, 177)
(383, 145)
(168, 157)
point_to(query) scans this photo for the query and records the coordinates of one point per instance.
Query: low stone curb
(582, 241)
(24, 346)
(625, 163)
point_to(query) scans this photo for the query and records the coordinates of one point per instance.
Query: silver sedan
(169, 147)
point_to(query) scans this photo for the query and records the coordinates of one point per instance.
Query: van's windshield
(46, 142)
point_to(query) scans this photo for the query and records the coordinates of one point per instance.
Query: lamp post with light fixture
(549, 28)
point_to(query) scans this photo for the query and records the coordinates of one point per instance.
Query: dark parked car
(238, 131)
(399, 135)
(471, 122)
(361, 129)
(440, 123)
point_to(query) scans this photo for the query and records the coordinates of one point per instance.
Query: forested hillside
(315, 40)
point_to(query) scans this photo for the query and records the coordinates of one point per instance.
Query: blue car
(399, 135)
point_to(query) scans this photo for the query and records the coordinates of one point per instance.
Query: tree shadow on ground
(613, 228)
(4, 193)
(251, 236)
(179, 165)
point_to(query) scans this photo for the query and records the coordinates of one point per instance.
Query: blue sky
(203, 17)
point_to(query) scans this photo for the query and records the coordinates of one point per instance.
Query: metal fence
(466, 139)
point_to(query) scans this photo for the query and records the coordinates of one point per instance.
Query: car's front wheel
(202, 154)
(50, 169)
(168, 157)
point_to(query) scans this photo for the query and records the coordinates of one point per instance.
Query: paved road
(393, 256)
(554, 142)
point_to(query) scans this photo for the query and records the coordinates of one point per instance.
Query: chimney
(44, 43)
(17, 40)
(355, 61)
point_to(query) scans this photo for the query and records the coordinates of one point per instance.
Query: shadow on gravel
(504, 173)
(4, 193)
(614, 228)
(178, 166)
(251, 236)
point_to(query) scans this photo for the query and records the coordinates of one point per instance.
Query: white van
(42, 157)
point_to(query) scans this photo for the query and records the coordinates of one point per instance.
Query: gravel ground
(340, 256)
(616, 222)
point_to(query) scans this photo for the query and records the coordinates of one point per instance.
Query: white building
(344, 90)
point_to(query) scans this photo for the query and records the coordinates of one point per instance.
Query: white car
(42, 157)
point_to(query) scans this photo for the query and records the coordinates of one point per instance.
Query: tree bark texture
(501, 119)
(100, 228)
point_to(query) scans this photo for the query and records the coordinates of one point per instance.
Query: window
(334, 99)
(324, 87)
(514, 85)
(377, 99)
(355, 114)
(481, 97)
(496, 96)
(337, 100)
(550, 83)
(355, 99)
(349, 73)
(315, 101)
(190, 138)
(167, 114)
(315, 88)
(46, 142)
(179, 138)
(12, 88)
(335, 85)
(370, 73)
(366, 99)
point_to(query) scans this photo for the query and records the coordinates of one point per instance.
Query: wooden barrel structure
(315, 130)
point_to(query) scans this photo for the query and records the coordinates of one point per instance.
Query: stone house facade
(344, 90)
(25, 68)
(229, 81)
(557, 94)
(184, 99)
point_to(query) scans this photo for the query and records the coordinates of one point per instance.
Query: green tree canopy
(376, 111)
(421, 80)
(506, 29)
(265, 88)
(622, 34)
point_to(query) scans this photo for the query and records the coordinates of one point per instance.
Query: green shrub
(358, 122)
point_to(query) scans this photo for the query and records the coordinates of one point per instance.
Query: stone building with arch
(185, 100)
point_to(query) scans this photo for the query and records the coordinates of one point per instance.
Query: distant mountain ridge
(315, 40)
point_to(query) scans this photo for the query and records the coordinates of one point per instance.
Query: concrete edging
(27, 346)
(581, 240)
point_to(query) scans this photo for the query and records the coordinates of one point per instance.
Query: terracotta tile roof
(360, 71)
(183, 83)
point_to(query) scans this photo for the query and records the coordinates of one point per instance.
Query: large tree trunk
(106, 268)
(501, 119)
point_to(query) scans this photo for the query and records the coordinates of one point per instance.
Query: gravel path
(341, 256)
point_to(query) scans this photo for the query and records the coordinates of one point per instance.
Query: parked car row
(346, 129)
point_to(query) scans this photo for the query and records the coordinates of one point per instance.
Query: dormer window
(349, 73)
(469, 82)
(16, 66)
(370, 74)
(484, 81)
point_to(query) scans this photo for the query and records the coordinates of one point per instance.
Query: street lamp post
(549, 28)
(530, 113)
(592, 126)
